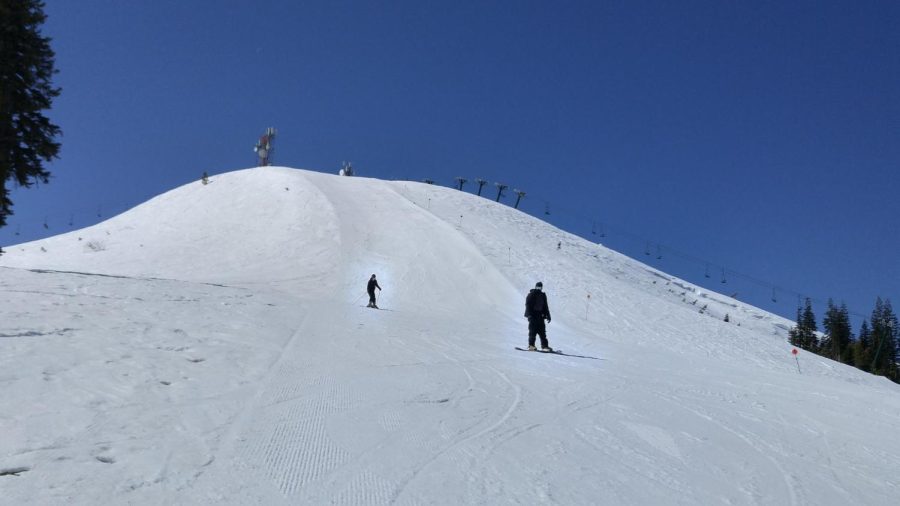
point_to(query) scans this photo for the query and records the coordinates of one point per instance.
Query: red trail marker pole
(794, 352)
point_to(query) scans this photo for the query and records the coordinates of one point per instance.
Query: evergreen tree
(838, 335)
(804, 334)
(862, 348)
(847, 342)
(794, 335)
(26, 66)
(810, 336)
(884, 340)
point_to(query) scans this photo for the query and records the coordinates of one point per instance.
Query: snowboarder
(537, 310)
(373, 284)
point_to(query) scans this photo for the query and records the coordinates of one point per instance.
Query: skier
(373, 284)
(537, 310)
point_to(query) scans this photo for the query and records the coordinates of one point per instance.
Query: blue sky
(759, 138)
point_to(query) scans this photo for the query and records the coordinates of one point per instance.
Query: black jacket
(536, 305)
(373, 284)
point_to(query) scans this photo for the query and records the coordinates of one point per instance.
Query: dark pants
(372, 298)
(536, 327)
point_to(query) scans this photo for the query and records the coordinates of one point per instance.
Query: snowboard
(557, 352)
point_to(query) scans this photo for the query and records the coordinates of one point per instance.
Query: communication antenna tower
(264, 147)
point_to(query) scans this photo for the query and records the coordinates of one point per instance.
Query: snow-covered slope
(212, 346)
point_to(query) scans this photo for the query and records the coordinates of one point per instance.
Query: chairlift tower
(520, 194)
(481, 182)
(461, 181)
(264, 147)
(500, 188)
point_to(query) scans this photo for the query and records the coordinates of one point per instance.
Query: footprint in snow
(106, 459)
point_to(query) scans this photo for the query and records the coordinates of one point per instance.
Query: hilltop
(212, 345)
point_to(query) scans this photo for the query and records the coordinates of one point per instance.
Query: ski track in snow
(232, 364)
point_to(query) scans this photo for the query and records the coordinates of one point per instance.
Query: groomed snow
(212, 346)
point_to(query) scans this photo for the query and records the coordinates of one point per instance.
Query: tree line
(874, 349)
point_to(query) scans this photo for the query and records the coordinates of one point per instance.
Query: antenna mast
(264, 147)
